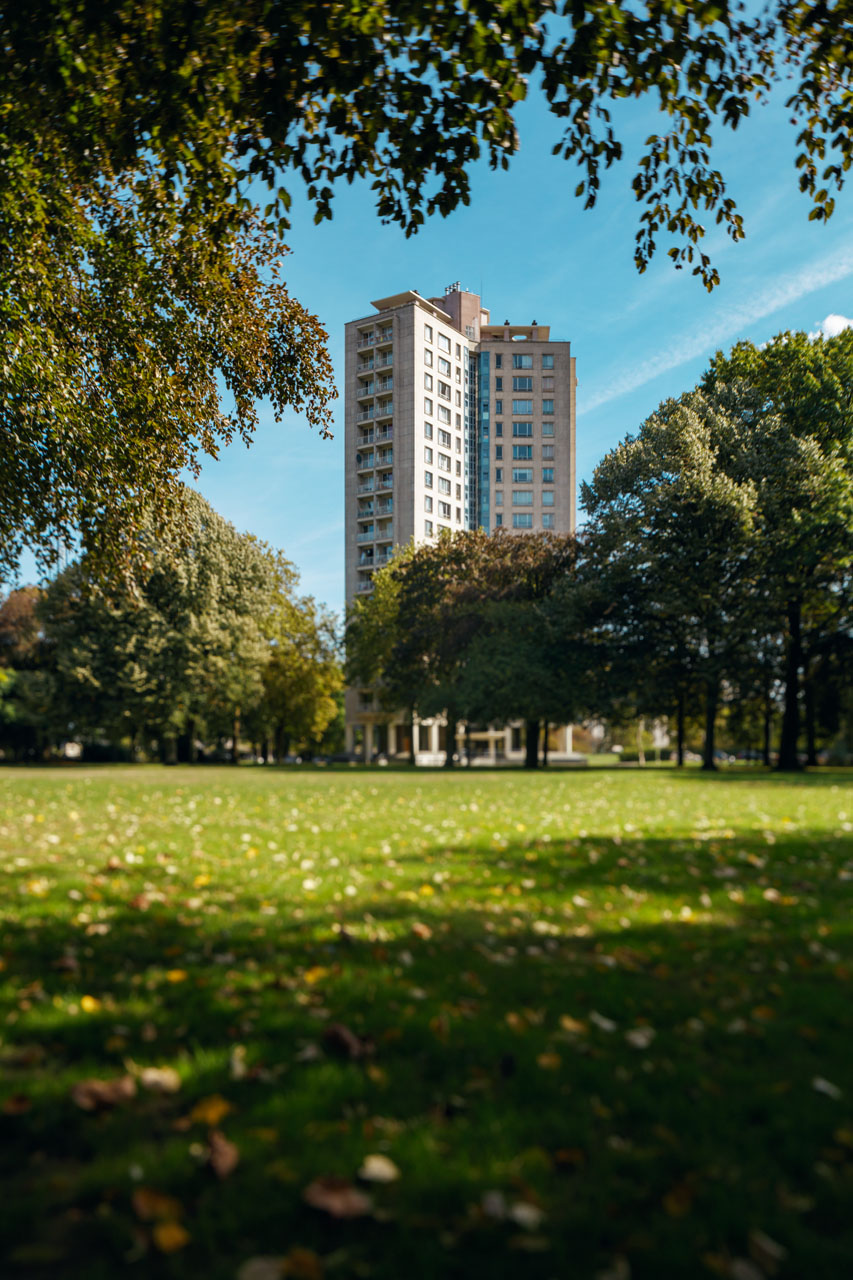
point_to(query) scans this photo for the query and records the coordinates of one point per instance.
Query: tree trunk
(545, 746)
(679, 729)
(531, 754)
(768, 721)
(170, 750)
(193, 750)
(811, 734)
(641, 755)
(265, 750)
(468, 743)
(411, 735)
(791, 714)
(711, 695)
(450, 739)
(235, 732)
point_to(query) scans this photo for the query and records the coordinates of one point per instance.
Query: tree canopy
(138, 275)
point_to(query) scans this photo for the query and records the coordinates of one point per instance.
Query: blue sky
(532, 251)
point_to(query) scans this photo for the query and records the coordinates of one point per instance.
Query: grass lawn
(380, 1024)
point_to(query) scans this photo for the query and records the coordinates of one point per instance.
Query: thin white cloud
(832, 325)
(729, 325)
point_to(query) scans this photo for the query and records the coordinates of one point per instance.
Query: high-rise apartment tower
(451, 423)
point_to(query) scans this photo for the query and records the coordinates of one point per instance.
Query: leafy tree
(794, 401)
(670, 539)
(136, 273)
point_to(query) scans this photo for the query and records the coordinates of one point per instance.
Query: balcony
(364, 366)
(383, 433)
(383, 535)
(385, 507)
(386, 334)
(364, 462)
(385, 482)
(364, 585)
(365, 511)
(366, 340)
(366, 389)
(365, 561)
(384, 409)
(366, 437)
(384, 457)
(384, 360)
(364, 415)
(386, 384)
(382, 559)
(365, 535)
(366, 486)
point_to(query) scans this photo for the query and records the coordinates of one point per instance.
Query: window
(458, 375)
(522, 406)
(443, 462)
(428, 479)
(459, 351)
(547, 428)
(458, 515)
(444, 510)
(499, 406)
(458, 399)
(499, 475)
(547, 361)
(499, 497)
(459, 419)
(547, 520)
(547, 384)
(428, 532)
(522, 520)
(458, 467)
(547, 497)
(522, 452)
(522, 475)
(427, 357)
(444, 438)
(427, 453)
(444, 390)
(428, 503)
(547, 451)
(522, 362)
(444, 366)
(428, 430)
(458, 492)
(428, 382)
(522, 384)
(547, 406)
(499, 452)
(499, 428)
(499, 360)
(443, 485)
(443, 343)
(428, 332)
(498, 520)
(444, 415)
(499, 384)
(522, 497)
(427, 406)
(522, 429)
(458, 444)
(547, 475)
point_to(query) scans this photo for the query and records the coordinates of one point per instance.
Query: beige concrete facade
(451, 422)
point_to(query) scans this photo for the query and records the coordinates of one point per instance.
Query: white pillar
(433, 738)
(368, 743)
(349, 738)
(493, 747)
(392, 740)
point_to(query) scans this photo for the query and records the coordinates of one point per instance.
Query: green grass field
(594, 1024)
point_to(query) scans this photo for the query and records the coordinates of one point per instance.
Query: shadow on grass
(650, 1089)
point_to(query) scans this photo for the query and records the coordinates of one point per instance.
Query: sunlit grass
(597, 1020)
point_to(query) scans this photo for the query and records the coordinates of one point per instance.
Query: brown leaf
(223, 1156)
(91, 1094)
(16, 1104)
(421, 930)
(170, 1236)
(160, 1079)
(154, 1206)
(337, 1197)
(303, 1264)
(261, 1269)
(210, 1110)
(338, 1038)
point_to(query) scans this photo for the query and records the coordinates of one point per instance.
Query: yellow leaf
(678, 1201)
(154, 1206)
(200, 881)
(549, 1061)
(426, 891)
(170, 1236)
(315, 974)
(89, 1004)
(176, 975)
(568, 1023)
(210, 1110)
(303, 1264)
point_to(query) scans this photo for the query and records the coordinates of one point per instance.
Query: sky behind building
(532, 252)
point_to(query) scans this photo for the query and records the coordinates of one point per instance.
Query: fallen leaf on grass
(640, 1037)
(572, 1025)
(527, 1215)
(303, 1264)
(16, 1104)
(170, 1236)
(421, 930)
(549, 1061)
(90, 1004)
(619, 1270)
(337, 1197)
(223, 1156)
(91, 1094)
(678, 1201)
(160, 1079)
(339, 1039)
(176, 975)
(603, 1024)
(155, 1206)
(827, 1088)
(210, 1110)
(743, 1269)
(378, 1168)
(261, 1269)
(768, 1253)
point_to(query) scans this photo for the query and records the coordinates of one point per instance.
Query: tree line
(713, 577)
(212, 645)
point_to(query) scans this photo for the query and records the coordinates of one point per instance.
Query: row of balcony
(384, 334)
(367, 461)
(384, 507)
(366, 561)
(375, 435)
(383, 483)
(384, 409)
(375, 535)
